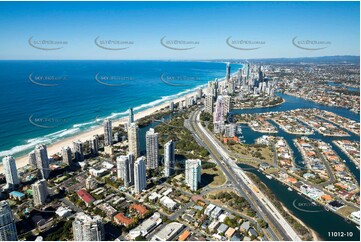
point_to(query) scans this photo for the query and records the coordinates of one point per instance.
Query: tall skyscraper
(108, 133)
(42, 161)
(140, 177)
(78, 150)
(123, 169)
(11, 174)
(131, 168)
(169, 158)
(228, 72)
(131, 116)
(32, 159)
(208, 104)
(189, 100)
(133, 139)
(193, 173)
(87, 228)
(230, 87)
(151, 139)
(227, 104)
(218, 115)
(40, 192)
(199, 93)
(94, 145)
(260, 74)
(171, 106)
(67, 155)
(7, 223)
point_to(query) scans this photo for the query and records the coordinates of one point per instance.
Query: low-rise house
(230, 232)
(184, 235)
(245, 226)
(252, 232)
(63, 212)
(237, 237)
(168, 203)
(138, 208)
(216, 212)
(213, 225)
(222, 229)
(17, 195)
(86, 197)
(209, 209)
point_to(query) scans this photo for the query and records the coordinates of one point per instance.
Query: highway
(242, 183)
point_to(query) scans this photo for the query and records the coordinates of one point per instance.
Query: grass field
(213, 178)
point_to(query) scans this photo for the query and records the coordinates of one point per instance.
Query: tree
(140, 238)
(262, 223)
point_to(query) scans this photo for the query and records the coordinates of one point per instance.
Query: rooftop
(85, 196)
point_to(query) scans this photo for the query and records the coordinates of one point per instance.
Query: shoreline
(258, 107)
(346, 153)
(314, 235)
(55, 147)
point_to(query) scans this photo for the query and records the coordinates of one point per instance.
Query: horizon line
(213, 59)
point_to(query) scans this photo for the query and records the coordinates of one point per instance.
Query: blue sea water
(46, 101)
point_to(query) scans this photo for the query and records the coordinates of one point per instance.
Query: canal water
(315, 217)
(321, 221)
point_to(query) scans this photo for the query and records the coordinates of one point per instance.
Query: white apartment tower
(219, 115)
(108, 135)
(169, 158)
(140, 178)
(133, 139)
(94, 145)
(123, 169)
(151, 139)
(40, 192)
(11, 174)
(42, 160)
(67, 155)
(32, 159)
(78, 150)
(208, 103)
(193, 173)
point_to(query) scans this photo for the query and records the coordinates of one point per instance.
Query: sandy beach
(86, 135)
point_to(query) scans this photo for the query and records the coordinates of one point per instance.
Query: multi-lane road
(264, 208)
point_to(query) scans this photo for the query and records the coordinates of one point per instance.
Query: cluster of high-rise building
(131, 169)
(217, 101)
(254, 81)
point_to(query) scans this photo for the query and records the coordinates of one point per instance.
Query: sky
(135, 29)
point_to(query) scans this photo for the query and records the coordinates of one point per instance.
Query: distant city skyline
(148, 30)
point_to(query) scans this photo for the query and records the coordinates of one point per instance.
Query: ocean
(46, 101)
